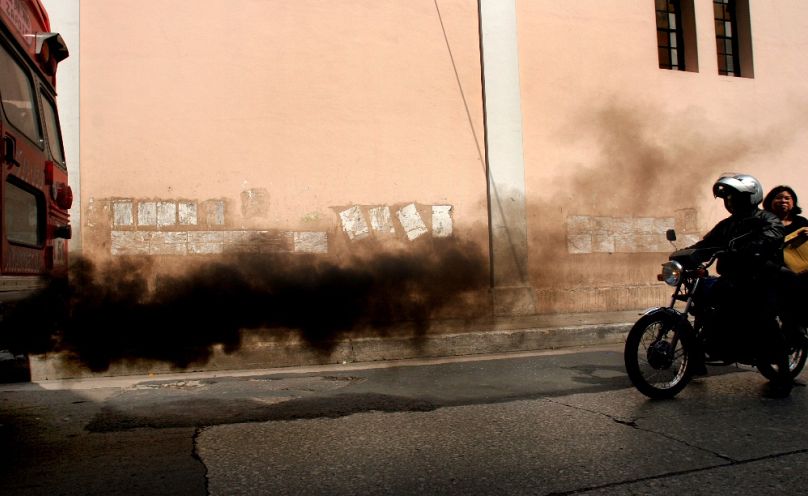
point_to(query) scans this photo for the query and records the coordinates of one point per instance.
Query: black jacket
(757, 246)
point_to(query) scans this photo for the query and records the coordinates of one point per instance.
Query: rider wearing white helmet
(754, 236)
(752, 239)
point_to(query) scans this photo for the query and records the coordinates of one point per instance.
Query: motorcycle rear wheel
(797, 355)
(658, 356)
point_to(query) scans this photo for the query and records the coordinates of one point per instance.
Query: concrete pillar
(504, 158)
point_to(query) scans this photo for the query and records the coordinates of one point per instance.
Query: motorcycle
(666, 346)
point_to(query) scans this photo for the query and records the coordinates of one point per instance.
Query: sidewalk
(444, 339)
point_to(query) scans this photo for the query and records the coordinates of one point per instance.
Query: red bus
(34, 193)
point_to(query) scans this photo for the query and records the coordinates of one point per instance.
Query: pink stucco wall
(611, 139)
(321, 106)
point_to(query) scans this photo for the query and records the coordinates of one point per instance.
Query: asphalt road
(544, 423)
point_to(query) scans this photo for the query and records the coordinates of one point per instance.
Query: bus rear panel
(34, 193)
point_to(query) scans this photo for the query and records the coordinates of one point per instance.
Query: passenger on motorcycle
(750, 266)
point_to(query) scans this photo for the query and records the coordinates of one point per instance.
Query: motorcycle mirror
(670, 234)
(733, 241)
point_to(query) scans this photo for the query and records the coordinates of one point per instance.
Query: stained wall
(211, 125)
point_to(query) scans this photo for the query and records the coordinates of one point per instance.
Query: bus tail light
(63, 195)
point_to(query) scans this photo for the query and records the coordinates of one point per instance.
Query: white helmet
(739, 183)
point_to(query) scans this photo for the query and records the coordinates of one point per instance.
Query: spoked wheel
(797, 355)
(658, 356)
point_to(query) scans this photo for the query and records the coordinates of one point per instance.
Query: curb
(264, 354)
(473, 343)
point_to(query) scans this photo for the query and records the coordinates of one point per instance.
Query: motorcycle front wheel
(658, 356)
(797, 355)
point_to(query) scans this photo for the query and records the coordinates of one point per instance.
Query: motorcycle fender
(680, 319)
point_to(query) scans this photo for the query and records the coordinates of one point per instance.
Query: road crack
(632, 422)
(196, 456)
(677, 473)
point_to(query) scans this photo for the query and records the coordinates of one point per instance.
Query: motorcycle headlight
(672, 272)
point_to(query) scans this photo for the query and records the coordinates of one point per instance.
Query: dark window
(24, 215)
(53, 131)
(18, 96)
(726, 37)
(670, 35)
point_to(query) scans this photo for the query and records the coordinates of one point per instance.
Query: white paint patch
(147, 214)
(411, 221)
(168, 249)
(602, 243)
(186, 213)
(598, 234)
(579, 243)
(255, 202)
(354, 224)
(205, 242)
(130, 243)
(310, 242)
(688, 239)
(168, 243)
(381, 220)
(169, 237)
(441, 221)
(166, 213)
(205, 248)
(215, 242)
(577, 224)
(214, 212)
(206, 236)
(122, 213)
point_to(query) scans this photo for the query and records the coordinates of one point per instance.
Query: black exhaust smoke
(119, 312)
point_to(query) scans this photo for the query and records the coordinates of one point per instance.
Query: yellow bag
(795, 251)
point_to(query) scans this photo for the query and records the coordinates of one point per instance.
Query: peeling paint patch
(186, 213)
(442, 221)
(579, 223)
(579, 243)
(122, 213)
(205, 248)
(408, 220)
(381, 221)
(602, 243)
(354, 224)
(411, 221)
(147, 214)
(254, 203)
(166, 213)
(205, 242)
(214, 212)
(181, 243)
(169, 237)
(206, 237)
(311, 242)
(157, 248)
(163, 213)
(599, 234)
(130, 242)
